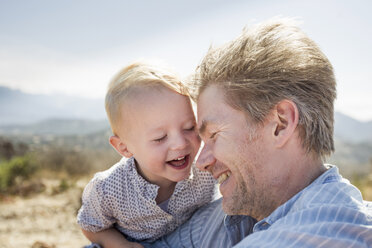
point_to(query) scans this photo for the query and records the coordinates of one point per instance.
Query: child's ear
(120, 146)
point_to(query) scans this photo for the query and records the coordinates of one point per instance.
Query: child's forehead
(145, 121)
(156, 93)
(156, 104)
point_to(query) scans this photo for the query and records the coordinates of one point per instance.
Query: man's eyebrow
(203, 126)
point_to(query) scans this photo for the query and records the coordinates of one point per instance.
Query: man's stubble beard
(242, 200)
(250, 198)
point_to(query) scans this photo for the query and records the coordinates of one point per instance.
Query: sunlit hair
(134, 79)
(270, 62)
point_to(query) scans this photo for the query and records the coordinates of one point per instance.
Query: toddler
(155, 187)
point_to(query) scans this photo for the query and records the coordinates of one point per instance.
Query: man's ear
(120, 146)
(286, 118)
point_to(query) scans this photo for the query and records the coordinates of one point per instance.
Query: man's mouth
(180, 162)
(223, 177)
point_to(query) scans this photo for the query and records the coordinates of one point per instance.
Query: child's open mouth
(179, 163)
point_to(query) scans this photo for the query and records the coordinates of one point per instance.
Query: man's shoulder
(331, 201)
(332, 190)
(343, 204)
(333, 193)
(321, 215)
(330, 211)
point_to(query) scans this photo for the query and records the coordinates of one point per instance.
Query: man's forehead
(206, 115)
(211, 117)
(209, 103)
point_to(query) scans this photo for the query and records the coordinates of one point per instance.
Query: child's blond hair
(131, 80)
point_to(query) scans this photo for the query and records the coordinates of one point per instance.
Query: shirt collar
(148, 188)
(331, 175)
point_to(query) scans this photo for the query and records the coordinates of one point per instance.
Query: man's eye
(213, 135)
(160, 139)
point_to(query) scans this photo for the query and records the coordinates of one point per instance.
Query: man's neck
(303, 172)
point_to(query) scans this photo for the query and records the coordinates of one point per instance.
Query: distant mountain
(351, 130)
(17, 107)
(55, 127)
(353, 159)
(41, 120)
(60, 114)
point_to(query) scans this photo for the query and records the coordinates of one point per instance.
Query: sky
(75, 47)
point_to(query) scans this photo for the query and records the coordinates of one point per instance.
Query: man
(265, 113)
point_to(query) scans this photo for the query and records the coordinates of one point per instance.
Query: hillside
(351, 130)
(17, 107)
(57, 127)
(353, 159)
(41, 120)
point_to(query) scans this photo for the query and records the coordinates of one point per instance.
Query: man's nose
(206, 159)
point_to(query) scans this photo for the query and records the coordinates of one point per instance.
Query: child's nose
(179, 143)
(206, 159)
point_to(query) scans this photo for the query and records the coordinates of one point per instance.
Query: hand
(133, 245)
(110, 238)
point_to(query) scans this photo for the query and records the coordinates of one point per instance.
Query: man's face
(236, 153)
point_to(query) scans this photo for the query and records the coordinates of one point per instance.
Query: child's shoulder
(112, 185)
(117, 168)
(202, 177)
(116, 174)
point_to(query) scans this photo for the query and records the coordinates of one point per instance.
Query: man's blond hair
(271, 62)
(133, 79)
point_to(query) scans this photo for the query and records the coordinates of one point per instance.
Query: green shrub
(18, 168)
(62, 161)
(9, 149)
(71, 162)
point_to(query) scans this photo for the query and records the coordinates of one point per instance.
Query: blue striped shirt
(330, 212)
(208, 227)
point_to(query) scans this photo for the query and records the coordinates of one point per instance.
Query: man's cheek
(223, 151)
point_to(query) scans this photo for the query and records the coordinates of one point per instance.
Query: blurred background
(57, 57)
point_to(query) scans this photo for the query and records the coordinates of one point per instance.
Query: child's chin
(182, 177)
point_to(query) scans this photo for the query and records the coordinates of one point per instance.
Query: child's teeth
(180, 158)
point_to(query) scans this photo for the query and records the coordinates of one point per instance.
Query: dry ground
(48, 220)
(45, 220)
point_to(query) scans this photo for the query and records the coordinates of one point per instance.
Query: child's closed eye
(160, 139)
(190, 128)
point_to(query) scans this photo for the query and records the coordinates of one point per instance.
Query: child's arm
(110, 238)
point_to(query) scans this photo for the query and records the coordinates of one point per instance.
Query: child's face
(161, 135)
